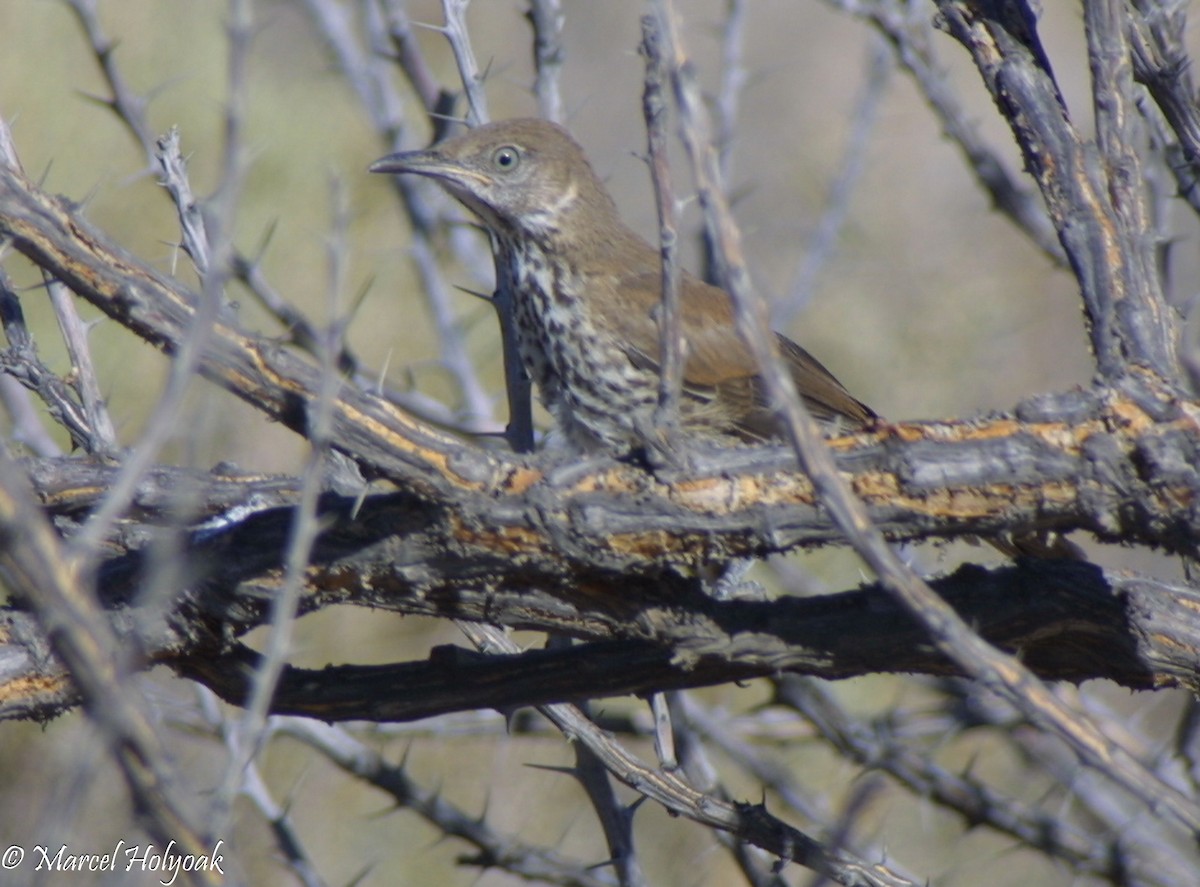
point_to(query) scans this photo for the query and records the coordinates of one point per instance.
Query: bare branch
(101, 438)
(520, 431)
(906, 27)
(1161, 63)
(129, 107)
(546, 17)
(190, 351)
(673, 346)
(379, 98)
(20, 363)
(733, 82)
(204, 572)
(493, 850)
(823, 242)
(749, 822)
(456, 33)
(250, 731)
(177, 184)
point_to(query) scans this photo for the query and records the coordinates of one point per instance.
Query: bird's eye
(506, 159)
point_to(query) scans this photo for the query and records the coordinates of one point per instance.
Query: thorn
(383, 371)
(487, 297)
(268, 236)
(611, 861)
(437, 29)
(362, 873)
(100, 100)
(554, 768)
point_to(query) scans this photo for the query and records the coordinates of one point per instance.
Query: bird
(586, 292)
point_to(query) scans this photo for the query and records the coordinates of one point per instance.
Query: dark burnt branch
(1068, 620)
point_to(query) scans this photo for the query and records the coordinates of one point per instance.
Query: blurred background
(927, 304)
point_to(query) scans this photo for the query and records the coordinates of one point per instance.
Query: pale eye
(506, 159)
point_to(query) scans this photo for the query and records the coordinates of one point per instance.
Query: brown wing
(719, 365)
(824, 396)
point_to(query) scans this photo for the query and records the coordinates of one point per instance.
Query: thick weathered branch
(1086, 193)
(1119, 462)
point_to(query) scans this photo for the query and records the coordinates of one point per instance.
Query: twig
(546, 18)
(457, 36)
(129, 107)
(300, 330)
(733, 82)
(392, 27)
(880, 746)
(368, 74)
(1160, 61)
(101, 439)
(520, 432)
(250, 732)
(165, 155)
(494, 850)
(478, 404)
(27, 426)
(287, 839)
(823, 242)
(218, 230)
(21, 365)
(670, 323)
(906, 27)
(749, 822)
(702, 775)
(616, 819)
(208, 715)
(175, 180)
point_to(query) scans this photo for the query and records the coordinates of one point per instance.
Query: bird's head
(523, 175)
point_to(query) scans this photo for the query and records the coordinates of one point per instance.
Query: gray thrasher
(587, 288)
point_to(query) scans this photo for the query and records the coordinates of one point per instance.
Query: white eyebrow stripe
(545, 219)
(569, 195)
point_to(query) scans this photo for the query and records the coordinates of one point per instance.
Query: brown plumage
(586, 290)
